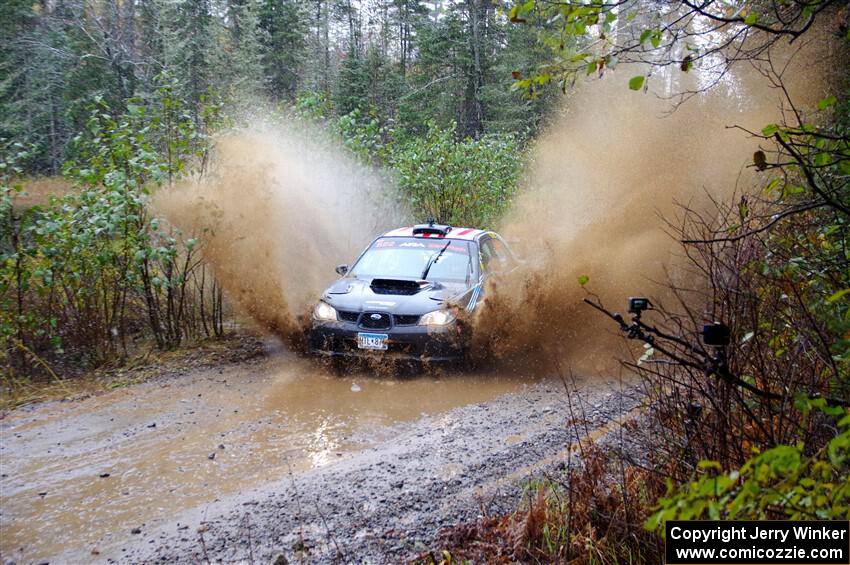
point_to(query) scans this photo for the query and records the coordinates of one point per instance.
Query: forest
(136, 89)
(113, 101)
(386, 66)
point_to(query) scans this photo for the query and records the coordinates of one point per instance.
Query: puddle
(173, 446)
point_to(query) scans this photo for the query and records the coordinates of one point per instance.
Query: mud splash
(605, 180)
(278, 210)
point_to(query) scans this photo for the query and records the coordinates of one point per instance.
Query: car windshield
(416, 258)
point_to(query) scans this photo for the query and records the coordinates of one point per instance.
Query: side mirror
(341, 270)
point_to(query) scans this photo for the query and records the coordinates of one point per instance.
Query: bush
(781, 483)
(466, 182)
(469, 182)
(79, 276)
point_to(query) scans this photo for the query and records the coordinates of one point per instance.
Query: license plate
(371, 341)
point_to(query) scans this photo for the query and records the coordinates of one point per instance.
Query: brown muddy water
(177, 444)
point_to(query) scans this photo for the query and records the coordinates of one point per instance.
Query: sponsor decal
(473, 301)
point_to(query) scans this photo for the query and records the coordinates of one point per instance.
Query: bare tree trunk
(54, 145)
(352, 40)
(385, 25)
(474, 118)
(327, 48)
(404, 35)
(203, 299)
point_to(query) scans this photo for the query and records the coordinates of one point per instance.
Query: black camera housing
(716, 334)
(638, 304)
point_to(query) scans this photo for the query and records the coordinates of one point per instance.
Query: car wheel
(467, 363)
(339, 365)
(409, 368)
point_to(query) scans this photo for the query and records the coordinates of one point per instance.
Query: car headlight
(438, 318)
(324, 311)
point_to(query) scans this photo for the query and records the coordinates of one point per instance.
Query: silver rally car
(409, 295)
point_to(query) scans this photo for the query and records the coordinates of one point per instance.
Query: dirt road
(274, 457)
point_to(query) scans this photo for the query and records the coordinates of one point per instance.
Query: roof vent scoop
(431, 228)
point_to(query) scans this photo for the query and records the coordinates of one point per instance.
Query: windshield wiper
(433, 260)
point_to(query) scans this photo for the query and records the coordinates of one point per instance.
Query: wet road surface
(81, 479)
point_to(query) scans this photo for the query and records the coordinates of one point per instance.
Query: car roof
(469, 234)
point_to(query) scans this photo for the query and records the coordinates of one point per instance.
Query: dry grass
(590, 514)
(37, 191)
(143, 366)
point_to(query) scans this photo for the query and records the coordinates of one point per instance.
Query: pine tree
(192, 47)
(33, 79)
(244, 61)
(282, 22)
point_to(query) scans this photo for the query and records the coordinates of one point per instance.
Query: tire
(409, 369)
(338, 365)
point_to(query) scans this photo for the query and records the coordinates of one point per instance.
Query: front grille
(375, 320)
(348, 316)
(405, 320)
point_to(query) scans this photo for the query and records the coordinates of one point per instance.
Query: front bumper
(420, 343)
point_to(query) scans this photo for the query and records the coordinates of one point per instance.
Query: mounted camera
(716, 334)
(638, 304)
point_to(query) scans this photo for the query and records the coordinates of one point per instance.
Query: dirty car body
(410, 295)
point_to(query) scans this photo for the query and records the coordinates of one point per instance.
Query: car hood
(397, 296)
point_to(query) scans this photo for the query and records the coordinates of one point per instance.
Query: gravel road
(272, 458)
(387, 503)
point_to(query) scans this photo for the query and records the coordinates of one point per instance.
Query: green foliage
(75, 275)
(313, 105)
(814, 168)
(786, 301)
(587, 37)
(367, 82)
(395, 63)
(636, 83)
(243, 63)
(566, 27)
(462, 182)
(15, 252)
(365, 136)
(36, 83)
(796, 293)
(283, 29)
(781, 483)
(457, 80)
(470, 182)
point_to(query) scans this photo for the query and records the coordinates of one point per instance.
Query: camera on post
(716, 334)
(639, 304)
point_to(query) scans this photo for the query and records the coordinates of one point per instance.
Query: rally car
(409, 295)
